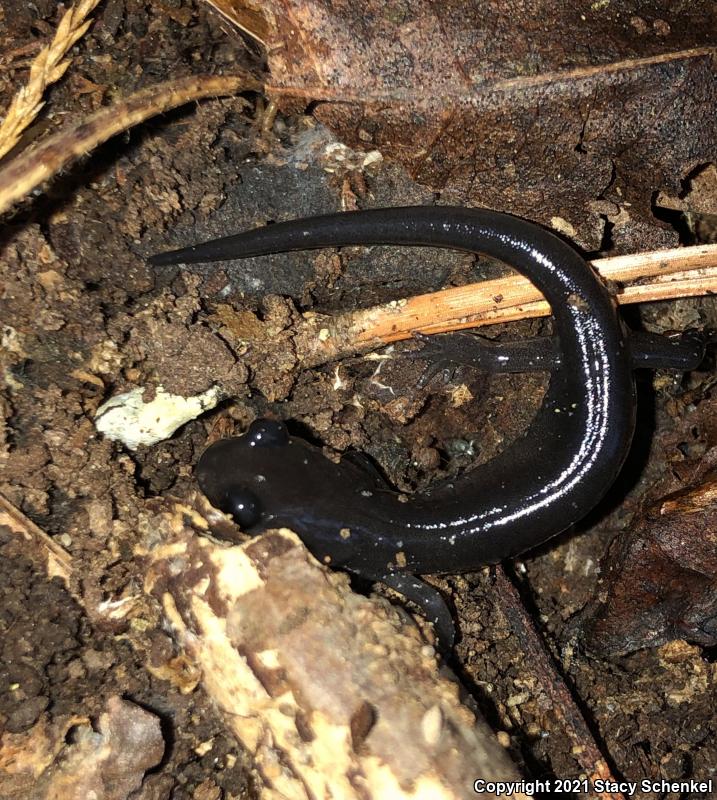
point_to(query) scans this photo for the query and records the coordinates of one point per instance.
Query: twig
(32, 167)
(543, 668)
(47, 68)
(660, 275)
(58, 560)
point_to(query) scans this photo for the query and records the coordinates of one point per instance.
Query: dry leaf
(576, 111)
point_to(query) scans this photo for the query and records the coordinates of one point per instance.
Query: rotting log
(336, 695)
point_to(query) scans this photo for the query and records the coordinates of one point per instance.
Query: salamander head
(231, 472)
(268, 479)
(247, 476)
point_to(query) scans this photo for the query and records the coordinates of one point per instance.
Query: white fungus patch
(127, 418)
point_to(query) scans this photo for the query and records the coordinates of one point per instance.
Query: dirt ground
(84, 317)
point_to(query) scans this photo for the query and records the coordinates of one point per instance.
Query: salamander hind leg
(430, 601)
(683, 351)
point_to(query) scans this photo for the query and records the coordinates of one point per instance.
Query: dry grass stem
(34, 166)
(642, 277)
(47, 68)
(660, 275)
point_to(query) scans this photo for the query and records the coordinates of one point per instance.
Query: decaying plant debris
(469, 107)
(331, 692)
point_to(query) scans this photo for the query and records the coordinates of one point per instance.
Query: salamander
(538, 487)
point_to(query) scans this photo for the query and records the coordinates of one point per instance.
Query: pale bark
(336, 695)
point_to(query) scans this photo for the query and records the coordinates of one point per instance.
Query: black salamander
(541, 485)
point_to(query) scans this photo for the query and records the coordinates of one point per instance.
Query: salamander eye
(243, 505)
(267, 433)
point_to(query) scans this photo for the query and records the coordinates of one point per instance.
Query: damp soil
(84, 317)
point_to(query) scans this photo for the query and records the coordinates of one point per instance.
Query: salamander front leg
(429, 600)
(447, 352)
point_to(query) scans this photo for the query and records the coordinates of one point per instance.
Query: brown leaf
(549, 110)
(660, 577)
(244, 16)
